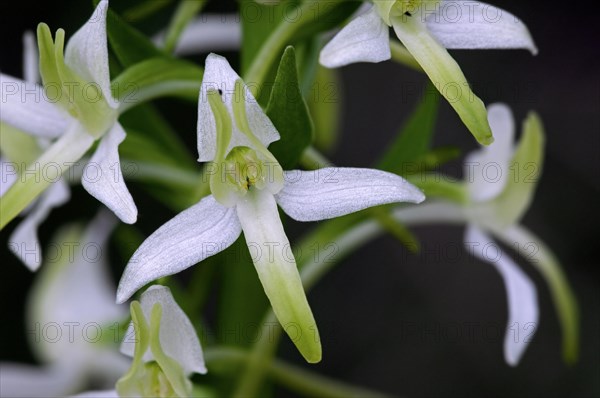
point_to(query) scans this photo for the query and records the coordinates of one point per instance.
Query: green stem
(271, 50)
(38, 176)
(185, 12)
(293, 377)
(402, 56)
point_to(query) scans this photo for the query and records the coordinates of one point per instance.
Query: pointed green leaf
(289, 113)
(414, 138)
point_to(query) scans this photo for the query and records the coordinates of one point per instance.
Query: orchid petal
(87, 52)
(30, 58)
(365, 39)
(34, 381)
(24, 242)
(178, 337)
(430, 213)
(210, 32)
(8, 175)
(105, 182)
(445, 74)
(75, 286)
(333, 192)
(218, 75)
(277, 270)
(199, 232)
(26, 107)
(487, 169)
(475, 25)
(523, 312)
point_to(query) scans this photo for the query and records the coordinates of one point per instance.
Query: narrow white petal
(523, 312)
(487, 169)
(8, 174)
(178, 337)
(365, 39)
(26, 107)
(194, 234)
(218, 75)
(334, 192)
(75, 288)
(475, 25)
(30, 58)
(103, 178)
(98, 394)
(19, 380)
(87, 52)
(210, 32)
(276, 266)
(24, 242)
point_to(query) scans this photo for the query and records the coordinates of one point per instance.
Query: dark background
(388, 319)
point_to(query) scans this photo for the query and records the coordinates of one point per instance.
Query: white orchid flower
(72, 319)
(247, 184)
(164, 346)
(427, 28)
(496, 201)
(75, 107)
(24, 242)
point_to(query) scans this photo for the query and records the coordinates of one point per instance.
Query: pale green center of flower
(389, 9)
(82, 99)
(163, 377)
(242, 168)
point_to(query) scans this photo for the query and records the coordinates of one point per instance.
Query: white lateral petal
(523, 312)
(26, 107)
(74, 286)
(20, 380)
(178, 337)
(487, 169)
(475, 25)
(277, 270)
(218, 75)
(8, 174)
(209, 33)
(87, 52)
(434, 212)
(30, 58)
(199, 232)
(365, 39)
(334, 192)
(103, 178)
(24, 242)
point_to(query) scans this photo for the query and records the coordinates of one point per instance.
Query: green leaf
(185, 12)
(289, 113)
(157, 77)
(415, 137)
(128, 44)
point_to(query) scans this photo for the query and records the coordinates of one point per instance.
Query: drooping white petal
(199, 232)
(87, 52)
(8, 174)
(178, 337)
(365, 39)
(18, 380)
(103, 178)
(210, 32)
(26, 107)
(523, 312)
(218, 75)
(276, 266)
(334, 192)
(24, 242)
(487, 169)
(31, 72)
(74, 288)
(475, 25)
